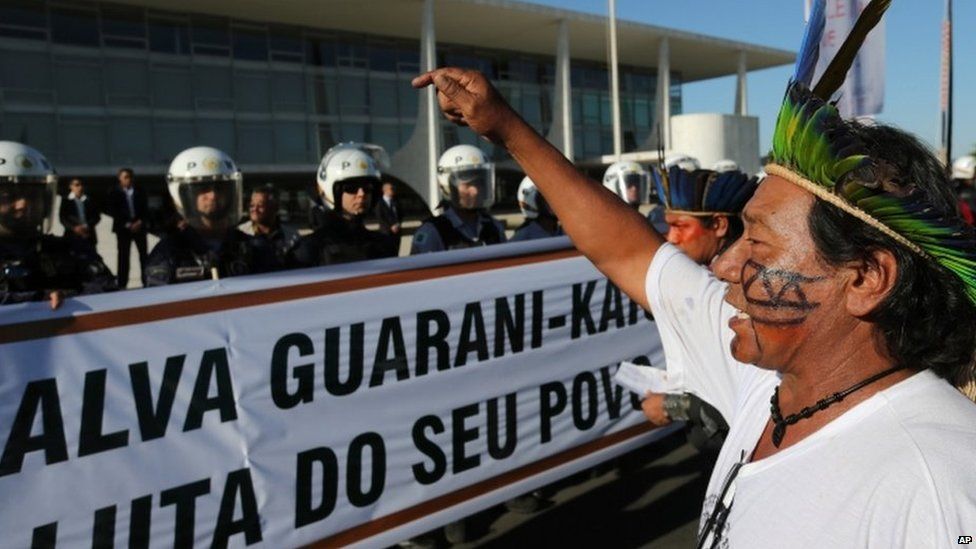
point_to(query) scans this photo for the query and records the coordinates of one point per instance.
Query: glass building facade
(96, 86)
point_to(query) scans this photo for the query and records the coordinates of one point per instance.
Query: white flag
(863, 91)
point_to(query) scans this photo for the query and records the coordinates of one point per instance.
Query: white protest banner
(863, 91)
(356, 404)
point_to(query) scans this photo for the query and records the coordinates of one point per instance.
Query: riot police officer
(34, 265)
(205, 185)
(467, 182)
(540, 221)
(348, 180)
(628, 180)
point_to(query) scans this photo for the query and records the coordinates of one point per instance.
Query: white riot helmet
(725, 165)
(683, 161)
(964, 167)
(346, 167)
(28, 185)
(531, 201)
(377, 152)
(628, 180)
(205, 184)
(466, 177)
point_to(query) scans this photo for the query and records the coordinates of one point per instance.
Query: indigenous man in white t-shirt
(702, 209)
(848, 303)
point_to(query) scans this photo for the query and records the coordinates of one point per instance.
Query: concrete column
(416, 162)
(561, 131)
(663, 96)
(614, 82)
(741, 90)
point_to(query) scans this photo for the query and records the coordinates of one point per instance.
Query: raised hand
(467, 98)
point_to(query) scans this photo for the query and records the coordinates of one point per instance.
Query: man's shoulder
(934, 416)
(427, 238)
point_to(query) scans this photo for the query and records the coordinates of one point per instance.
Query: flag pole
(947, 83)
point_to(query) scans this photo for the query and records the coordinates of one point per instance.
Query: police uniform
(186, 256)
(533, 230)
(449, 232)
(341, 240)
(274, 251)
(31, 269)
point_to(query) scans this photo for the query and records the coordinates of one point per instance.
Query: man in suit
(129, 209)
(388, 213)
(79, 214)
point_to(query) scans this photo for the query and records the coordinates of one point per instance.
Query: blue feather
(661, 185)
(682, 189)
(809, 54)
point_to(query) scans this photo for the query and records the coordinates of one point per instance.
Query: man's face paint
(777, 297)
(690, 234)
(789, 299)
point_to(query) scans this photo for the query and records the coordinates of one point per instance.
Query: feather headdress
(703, 192)
(815, 149)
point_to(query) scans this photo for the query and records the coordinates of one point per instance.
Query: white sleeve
(692, 317)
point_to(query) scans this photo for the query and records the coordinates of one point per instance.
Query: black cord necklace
(780, 423)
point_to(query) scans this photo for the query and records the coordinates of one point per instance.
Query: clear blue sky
(914, 29)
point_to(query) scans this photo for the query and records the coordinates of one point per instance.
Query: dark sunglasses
(353, 187)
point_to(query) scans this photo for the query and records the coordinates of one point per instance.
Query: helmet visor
(211, 206)
(633, 187)
(473, 188)
(25, 208)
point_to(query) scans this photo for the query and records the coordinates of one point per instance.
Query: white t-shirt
(896, 470)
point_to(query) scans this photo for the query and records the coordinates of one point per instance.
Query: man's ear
(871, 282)
(720, 224)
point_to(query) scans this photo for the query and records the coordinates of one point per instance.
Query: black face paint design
(780, 298)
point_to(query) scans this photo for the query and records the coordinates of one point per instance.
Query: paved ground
(651, 499)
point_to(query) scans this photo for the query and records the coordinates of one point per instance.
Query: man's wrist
(677, 406)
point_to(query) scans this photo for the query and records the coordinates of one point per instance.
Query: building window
(351, 54)
(382, 97)
(171, 137)
(324, 92)
(254, 144)
(349, 131)
(37, 130)
(127, 83)
(23, 19)
(25, 71)
(386, 136)
(79, 81)
(169, 36)
(77, 27)
(321, 52)
(172, 87)
(352, 94)
(130, 141)
(250, 44)
(218, 133)
(82, 141)
(408, 60)
(286, 45)
(123, 27)
(212, 87)
(326, 138)
(288, 91)
(289, 142)
(210, 37)
(382, 58)
(409, 99)
(251, 92)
